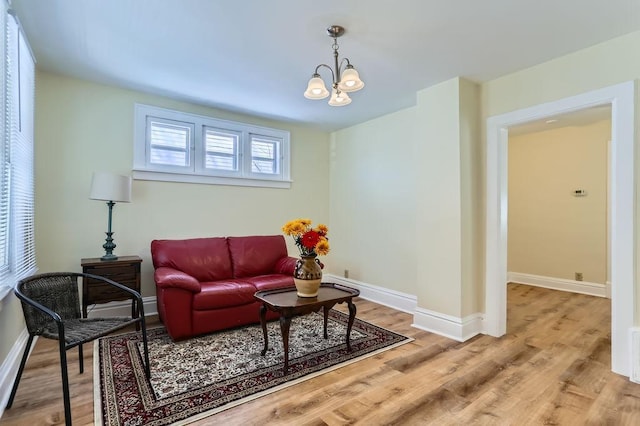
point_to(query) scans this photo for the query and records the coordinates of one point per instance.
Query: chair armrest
(172, 278)
(286, 265)
(114, 284)
(38, 306)
(122, 287)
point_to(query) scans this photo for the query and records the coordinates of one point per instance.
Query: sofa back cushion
(256, 255)
(205, 259)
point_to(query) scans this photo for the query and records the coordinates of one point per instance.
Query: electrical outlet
(346, 273)
(578, 276)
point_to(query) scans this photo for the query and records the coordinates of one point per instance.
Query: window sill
(210, 180)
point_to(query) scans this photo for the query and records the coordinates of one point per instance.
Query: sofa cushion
(268, 282)
(205, 259)
(223, 294)
(256, 255)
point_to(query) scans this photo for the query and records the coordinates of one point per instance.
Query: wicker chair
(51, 307)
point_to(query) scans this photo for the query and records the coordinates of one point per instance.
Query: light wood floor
(552, 368)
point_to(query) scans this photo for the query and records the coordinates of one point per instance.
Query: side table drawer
(117, 274)
(98, 292)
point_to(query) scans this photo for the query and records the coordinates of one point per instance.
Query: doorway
(621, 204)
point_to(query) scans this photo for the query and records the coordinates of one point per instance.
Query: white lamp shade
(110, 187)
(350, 80)
(339, 98)
(316, 89)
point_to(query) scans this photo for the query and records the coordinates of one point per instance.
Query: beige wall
(403, 187)
(373, 201)
(551, 232)
(437, 162)
(83, 127)
(471, 190)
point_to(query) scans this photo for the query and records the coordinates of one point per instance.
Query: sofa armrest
(286, 265)
(172, 278)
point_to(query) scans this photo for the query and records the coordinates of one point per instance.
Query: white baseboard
(122, 309)
(583, 287)
(460, 329)
(10, 366)
(394, 299)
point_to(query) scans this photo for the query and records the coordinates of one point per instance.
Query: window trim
(197, 173)
(17, 138)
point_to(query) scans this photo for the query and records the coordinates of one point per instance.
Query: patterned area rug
(199, 377)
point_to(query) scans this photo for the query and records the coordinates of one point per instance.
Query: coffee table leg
(352, 316)
(285, 323)
(263, 323)
(326, 319)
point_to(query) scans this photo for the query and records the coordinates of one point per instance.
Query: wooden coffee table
(286, 302)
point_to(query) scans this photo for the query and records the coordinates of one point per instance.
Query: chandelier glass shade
(344, 77)
(339, 98)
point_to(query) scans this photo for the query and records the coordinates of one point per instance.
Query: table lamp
(111, 188)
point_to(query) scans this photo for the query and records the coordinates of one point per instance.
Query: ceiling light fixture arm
(333, 75)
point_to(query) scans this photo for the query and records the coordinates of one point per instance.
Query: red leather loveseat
(207, 284)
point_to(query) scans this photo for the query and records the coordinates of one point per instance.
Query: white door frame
(622, 204)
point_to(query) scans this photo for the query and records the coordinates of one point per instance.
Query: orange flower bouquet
(310, 241)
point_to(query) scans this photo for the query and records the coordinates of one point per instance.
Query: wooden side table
(124, 270)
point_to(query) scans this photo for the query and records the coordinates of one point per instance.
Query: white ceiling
(255, 57)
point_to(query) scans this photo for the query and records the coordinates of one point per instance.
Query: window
(17, 246)
(180, 147)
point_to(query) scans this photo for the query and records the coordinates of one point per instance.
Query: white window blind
(5, 125)
(169, 142)
(180, 147)
(17, 184)
(221, 149)
(264, 155)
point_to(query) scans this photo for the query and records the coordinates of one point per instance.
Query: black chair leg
(25, 355)
(147, 368)
(65, 382)
(81, 358)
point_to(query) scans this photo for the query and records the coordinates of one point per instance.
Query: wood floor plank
(552, 367)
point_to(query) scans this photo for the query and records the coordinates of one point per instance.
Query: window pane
(264, 155)
(169, 143)
(221, 150)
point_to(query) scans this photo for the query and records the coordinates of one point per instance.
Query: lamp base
(109, 257)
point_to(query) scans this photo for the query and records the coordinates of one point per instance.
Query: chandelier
(344, 80)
